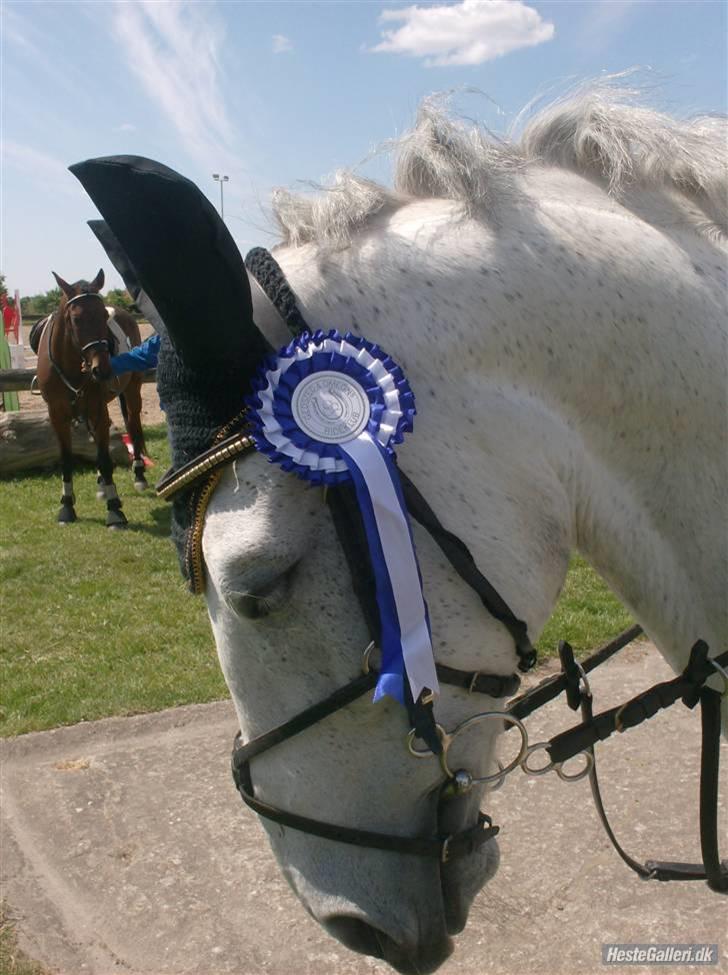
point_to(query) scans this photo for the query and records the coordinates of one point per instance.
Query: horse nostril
(415, 959)
(100, 374)
(356, 935)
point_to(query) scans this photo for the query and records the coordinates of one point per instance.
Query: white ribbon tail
(401, 563)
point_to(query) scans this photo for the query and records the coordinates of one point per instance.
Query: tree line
(44, 304)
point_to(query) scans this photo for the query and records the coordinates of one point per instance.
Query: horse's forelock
(84, 287)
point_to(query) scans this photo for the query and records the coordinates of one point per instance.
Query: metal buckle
(584, 679)
(724, 674)
(445, 852)
(618, 719)
(365, 658)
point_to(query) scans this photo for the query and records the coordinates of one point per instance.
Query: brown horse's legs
(61, 423)
(131, 408)
(115, 517)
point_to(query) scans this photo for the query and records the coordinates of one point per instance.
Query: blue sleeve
(138, 359)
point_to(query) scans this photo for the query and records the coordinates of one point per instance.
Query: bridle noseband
(200, 478)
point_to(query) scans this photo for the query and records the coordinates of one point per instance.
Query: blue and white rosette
(330, 408)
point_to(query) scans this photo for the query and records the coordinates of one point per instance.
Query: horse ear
(63, 285)
(98, 282)
(185, 259)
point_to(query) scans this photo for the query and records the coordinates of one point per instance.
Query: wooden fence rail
(15, 380)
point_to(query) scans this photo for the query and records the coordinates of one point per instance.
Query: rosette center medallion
(330, 407)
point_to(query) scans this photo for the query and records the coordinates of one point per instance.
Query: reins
(581, 739)
(201, 476)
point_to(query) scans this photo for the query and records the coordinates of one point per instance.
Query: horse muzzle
(101, 374)
(98, 361)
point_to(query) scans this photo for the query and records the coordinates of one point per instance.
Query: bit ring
(447, 738)
(581, 773)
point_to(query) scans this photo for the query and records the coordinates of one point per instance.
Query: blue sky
(269, 93)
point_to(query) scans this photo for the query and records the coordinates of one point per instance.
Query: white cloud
(125, 127)
(281, 44)
(466, 33)
(16, 31)
(39, 167)
(172, 48)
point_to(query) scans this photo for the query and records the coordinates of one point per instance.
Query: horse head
(532, 437)
(288, 626)
(84, 315)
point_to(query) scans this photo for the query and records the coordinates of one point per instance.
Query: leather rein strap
(688, 687)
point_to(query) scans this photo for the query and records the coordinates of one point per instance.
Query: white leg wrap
(110, 492)
(68, 489)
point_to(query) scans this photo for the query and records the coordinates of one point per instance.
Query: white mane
(600, 131)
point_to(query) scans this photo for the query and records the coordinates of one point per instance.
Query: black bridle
(75, 391)
(201, 476)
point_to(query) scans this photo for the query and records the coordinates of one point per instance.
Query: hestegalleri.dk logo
(659, 954)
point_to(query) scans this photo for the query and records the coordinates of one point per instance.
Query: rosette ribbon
(330, 408)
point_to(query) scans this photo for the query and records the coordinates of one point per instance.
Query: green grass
(587, 614)
(99, 623)
(12, 960)
(95, 623)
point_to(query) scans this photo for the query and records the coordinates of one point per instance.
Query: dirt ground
(161, 870)
(151, 413)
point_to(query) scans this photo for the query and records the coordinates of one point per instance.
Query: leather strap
(687, 686)
(462, 561)
(75, 391)
(711, 869)
(710, 710)
(305, 719)
(347, 520)
(494, 685)
(443, 848)
(550, 688)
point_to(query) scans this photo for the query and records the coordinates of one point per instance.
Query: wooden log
(15, 380)
(27, 442)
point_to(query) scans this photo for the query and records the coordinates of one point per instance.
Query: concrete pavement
(125, 849)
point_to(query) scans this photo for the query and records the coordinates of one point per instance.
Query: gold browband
(202, 475)
(203, 464)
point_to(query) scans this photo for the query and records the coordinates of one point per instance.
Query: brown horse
(77, 382)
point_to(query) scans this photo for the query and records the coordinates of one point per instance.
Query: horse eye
(265, 599)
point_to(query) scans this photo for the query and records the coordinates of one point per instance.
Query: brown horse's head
(84, 314)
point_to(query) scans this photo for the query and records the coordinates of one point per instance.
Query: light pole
(221, 180)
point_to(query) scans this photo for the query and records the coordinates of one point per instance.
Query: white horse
(558, 304)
